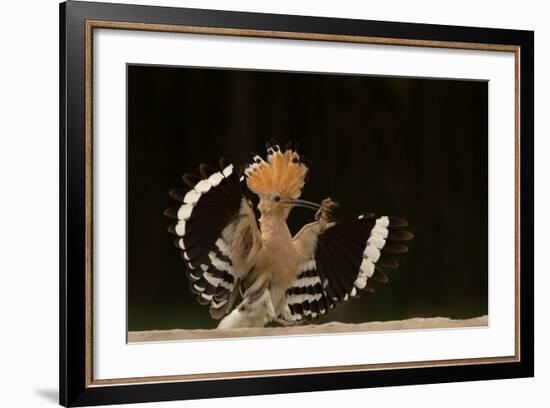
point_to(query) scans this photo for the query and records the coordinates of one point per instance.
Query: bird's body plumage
(253, 274)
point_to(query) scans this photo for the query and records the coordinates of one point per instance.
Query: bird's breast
(280, 256)
(282, 265)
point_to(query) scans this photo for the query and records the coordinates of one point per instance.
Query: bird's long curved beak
(304, 203)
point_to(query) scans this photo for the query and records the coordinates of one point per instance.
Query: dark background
(416, 148)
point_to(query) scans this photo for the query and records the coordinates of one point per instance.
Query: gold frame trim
(98, 24)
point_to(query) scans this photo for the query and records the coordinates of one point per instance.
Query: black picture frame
(75, 387)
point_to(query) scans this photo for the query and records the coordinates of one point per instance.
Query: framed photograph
(256, 203)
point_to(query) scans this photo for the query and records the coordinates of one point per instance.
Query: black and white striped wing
(217, 235)
(341, 261)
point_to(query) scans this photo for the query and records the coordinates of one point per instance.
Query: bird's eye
(276, 198)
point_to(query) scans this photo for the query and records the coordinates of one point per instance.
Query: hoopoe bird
(250, 273)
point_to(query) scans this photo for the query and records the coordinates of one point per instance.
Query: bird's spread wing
(217, 235)
(340, 259)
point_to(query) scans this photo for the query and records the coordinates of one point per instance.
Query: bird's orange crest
(284, 172)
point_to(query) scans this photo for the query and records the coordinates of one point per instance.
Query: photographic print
(280, 203)
(262, 188)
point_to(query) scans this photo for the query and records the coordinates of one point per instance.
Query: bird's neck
(274, 229)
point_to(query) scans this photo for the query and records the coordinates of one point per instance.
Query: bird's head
(278, 181)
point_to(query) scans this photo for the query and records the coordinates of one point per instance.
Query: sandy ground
(332, 327)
